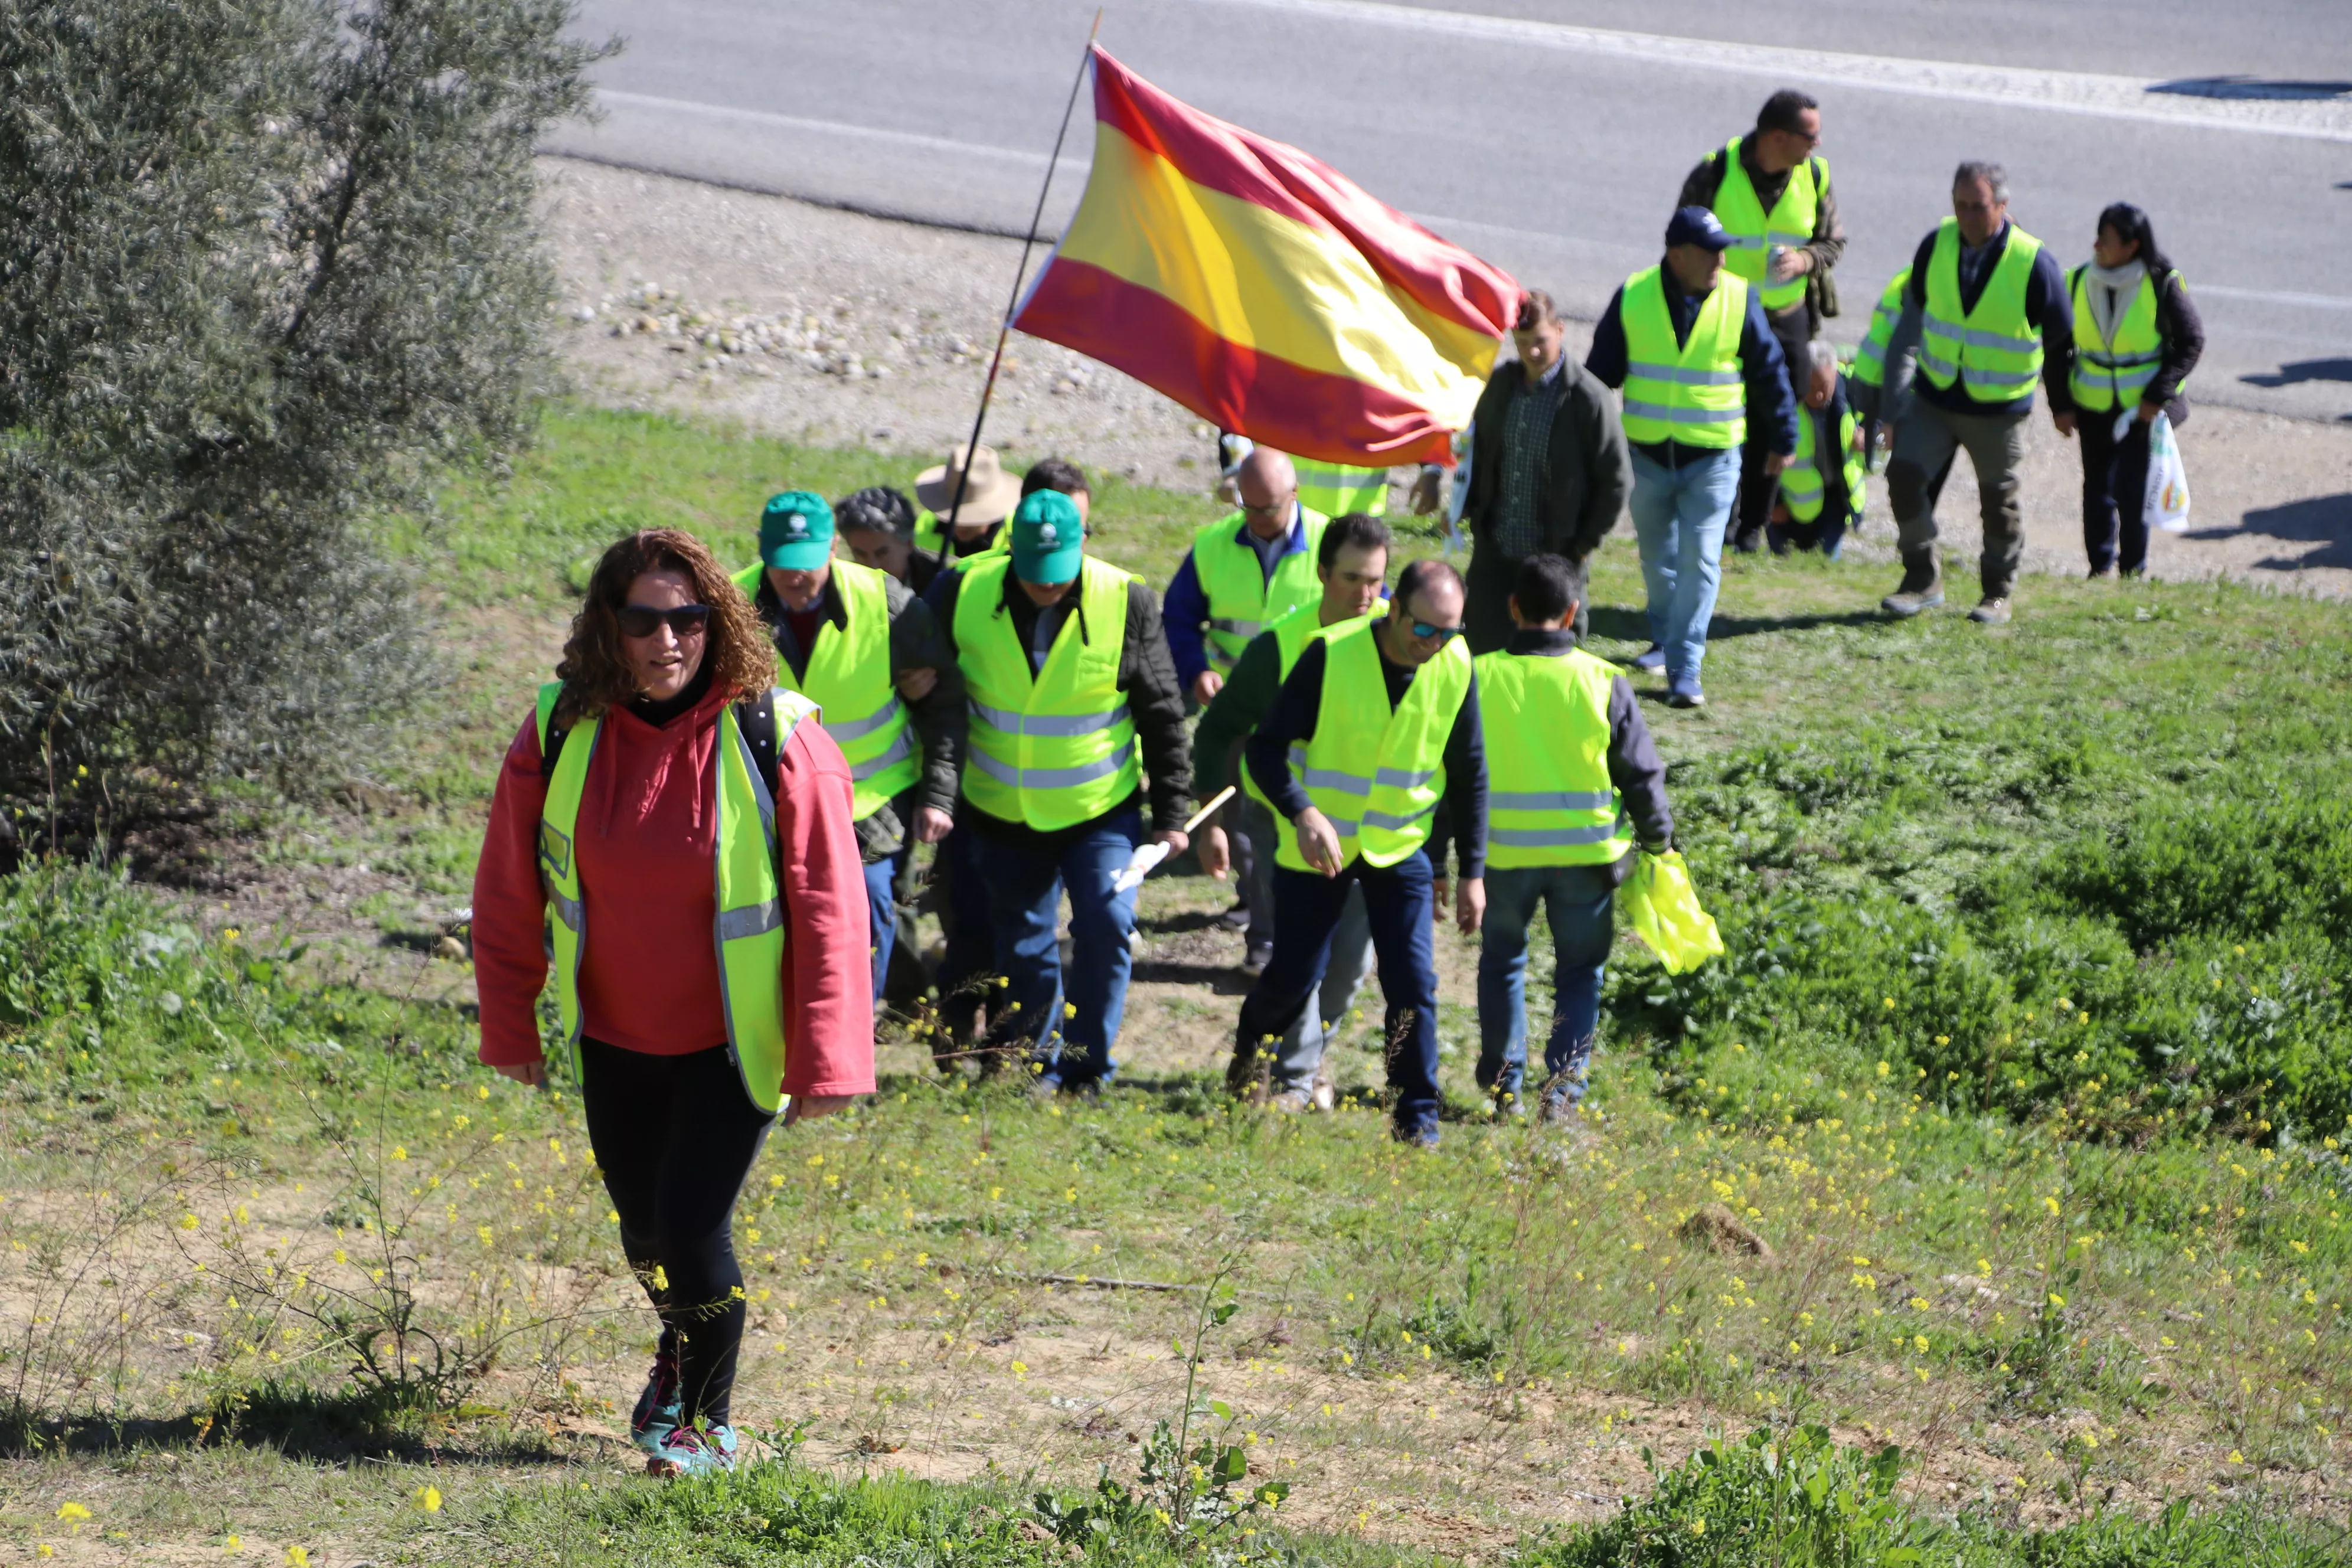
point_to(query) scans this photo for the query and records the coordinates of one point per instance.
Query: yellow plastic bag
(1662, 908)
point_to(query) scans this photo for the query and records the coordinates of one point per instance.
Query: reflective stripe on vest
(1059, 747)
(1991, 350)
(1801, 485)
(1692, 392)
(1377, 774)
(1243, 600)
(1754, 232)
(1291, 635)
(1870, 359)
(848, 676)
(2112, 374)
(749, 931)
(1335, 490)
(1549, 798)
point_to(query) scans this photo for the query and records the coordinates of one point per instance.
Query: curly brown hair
(595, 670)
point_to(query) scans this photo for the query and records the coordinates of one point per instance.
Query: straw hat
(990, 497)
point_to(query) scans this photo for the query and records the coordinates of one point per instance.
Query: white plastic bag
(2166, 505)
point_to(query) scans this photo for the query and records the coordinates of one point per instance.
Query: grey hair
(1819, 356)
(1993, 175)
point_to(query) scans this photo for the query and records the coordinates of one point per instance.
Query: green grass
(2027, 1059)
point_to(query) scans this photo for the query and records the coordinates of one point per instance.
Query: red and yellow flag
(1264, 290)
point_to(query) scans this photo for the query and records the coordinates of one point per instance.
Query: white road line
(2057, 92)
(2267, 297)
(835, 127)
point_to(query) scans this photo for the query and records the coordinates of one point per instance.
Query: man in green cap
(1068, 676)
(859, 644)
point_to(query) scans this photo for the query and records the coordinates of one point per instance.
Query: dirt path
(840, 296)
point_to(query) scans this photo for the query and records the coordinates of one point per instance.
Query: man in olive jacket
(1549, 470)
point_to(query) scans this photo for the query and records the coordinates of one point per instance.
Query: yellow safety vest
(2112, 374)
(749, 930)
(1549, 798)
(1335, 490)
(1755, 232)
(1992, 352)
(1801, 485)
(1693, 392)
(1242, 598)
(1291, 635)
(1377, 773)
(1057, 748)
(1870, 359)
(932, 534)
(849, 677)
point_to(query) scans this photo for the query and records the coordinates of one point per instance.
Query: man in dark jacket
(1548, 469)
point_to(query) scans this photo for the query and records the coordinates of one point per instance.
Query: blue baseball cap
(1049, 540)
(796, 531)
(1696, 226)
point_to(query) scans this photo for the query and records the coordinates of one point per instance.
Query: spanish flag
(1264, 290)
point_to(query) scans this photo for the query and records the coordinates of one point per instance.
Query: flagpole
(1020, 276)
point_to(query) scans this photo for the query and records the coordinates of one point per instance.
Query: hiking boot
(1321, 1097)
(1255, 957)
(1922, 587)
(1653, 658)
(2107, 573)
(657, 1414)
(1683, 691)
(1993, 611)
(1237, 918)
(1245, 1076)
(686, 1452)
(1292, 1102)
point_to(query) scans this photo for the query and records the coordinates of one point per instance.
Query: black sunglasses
(685, 621)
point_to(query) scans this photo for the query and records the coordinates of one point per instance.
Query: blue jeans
(1679, 516)
(1307, 910)
(1579, 900)
(882, 891)
(1300, 1055)
(1024, 894)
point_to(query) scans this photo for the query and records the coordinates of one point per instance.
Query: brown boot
(1922, 587)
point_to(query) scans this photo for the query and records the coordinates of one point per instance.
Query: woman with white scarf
(2137, 337)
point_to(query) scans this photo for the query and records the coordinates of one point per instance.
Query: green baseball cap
(1049, 542)
(796, 531)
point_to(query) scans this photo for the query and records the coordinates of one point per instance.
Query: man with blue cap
(857, 642)
(1688, 343)
(1075, 722)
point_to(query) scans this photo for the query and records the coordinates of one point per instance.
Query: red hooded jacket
(646, 843)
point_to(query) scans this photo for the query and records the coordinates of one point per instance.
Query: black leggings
(675, 1137)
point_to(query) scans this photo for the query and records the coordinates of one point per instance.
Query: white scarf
(2111, 290)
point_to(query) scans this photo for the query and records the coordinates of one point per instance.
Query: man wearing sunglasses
(1770, 190)
(859, 644)
(1374, 739)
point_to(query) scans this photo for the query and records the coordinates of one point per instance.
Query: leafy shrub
(1792, 1498)
(269, 267)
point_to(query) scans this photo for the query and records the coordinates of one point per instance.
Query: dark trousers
(1758, 491)
(2115, 492)
(1308, 906)
(675, 1137)
(964, 972)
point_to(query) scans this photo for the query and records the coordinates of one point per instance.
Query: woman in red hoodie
(692, 1021)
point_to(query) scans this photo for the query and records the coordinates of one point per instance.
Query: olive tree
(267, 267)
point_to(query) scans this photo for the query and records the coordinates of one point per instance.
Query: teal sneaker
(657, 1414)
(689, 1452)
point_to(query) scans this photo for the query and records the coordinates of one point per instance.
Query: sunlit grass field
(2006, 1133)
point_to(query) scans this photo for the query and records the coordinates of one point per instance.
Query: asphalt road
(1547, 136)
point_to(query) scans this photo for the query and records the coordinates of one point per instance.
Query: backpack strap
(551, 735)
(756, 715)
